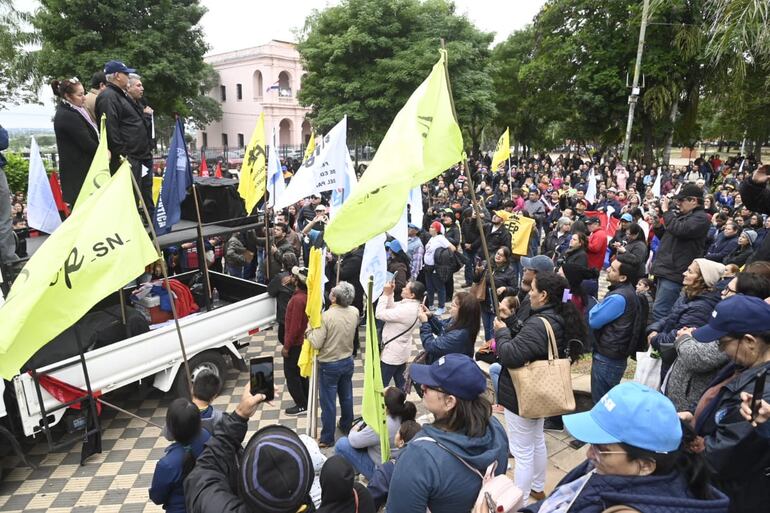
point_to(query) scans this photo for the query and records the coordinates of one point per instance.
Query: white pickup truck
(210, 338)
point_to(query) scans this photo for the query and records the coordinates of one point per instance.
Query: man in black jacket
(617, 323)
(756, 197)
(228, 479)
(127, 133)
(682, 240)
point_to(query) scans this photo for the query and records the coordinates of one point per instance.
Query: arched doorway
(258, 85)
(285, 132)
(284, 84)
(306, 130)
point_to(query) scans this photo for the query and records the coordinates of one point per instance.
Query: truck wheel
(207, 361)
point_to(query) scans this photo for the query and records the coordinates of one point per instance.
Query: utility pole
(635, 90)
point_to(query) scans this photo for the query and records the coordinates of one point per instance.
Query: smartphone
(389, 277)
(261, 376)
(759, 391)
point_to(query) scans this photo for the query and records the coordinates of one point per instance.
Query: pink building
(265, 79)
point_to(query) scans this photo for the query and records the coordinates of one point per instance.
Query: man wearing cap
(609, 202)
(597, 243)
(308, 212)
(737, 455)
(621, 234)
(497, 236)
(415, 251)
(127, 133)
(682, 239)
(618, 322)
(228, 478)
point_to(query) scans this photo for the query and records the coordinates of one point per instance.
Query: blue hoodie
(427, 476)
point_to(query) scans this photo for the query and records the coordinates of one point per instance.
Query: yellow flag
(373, 404)
(312, 309)
(310, 147)
(520, 228)
(423, 141)
(254, 169)
(98, 249)
(502, 150)
(99, 172)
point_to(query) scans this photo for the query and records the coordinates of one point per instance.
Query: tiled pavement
(118, 478)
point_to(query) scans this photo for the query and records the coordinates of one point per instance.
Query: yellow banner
(520, 228)
(254, 169)
(313, 308)
(373, 404)
(96, 251)
(423, 141)
(310, 147)
(99, 172)
(502, 151)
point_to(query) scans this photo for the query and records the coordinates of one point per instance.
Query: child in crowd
(183, 424)
(205, 389)
(380, 482)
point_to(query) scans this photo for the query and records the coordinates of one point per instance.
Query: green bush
(17, 171)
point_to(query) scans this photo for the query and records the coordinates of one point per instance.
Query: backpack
(498, 494)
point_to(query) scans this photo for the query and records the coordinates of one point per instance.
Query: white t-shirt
(439, 241)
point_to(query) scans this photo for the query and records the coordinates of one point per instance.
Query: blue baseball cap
(117, 67)
(413, 226)
(539, 263)
(627, 217)
(630, 413)
(393, 245)
(456, 374)
(736, 314)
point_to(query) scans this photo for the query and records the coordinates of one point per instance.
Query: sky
(236, 24)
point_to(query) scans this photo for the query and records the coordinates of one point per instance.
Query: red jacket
(296, 320)
(597, 249)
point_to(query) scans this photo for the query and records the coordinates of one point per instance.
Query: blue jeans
(359, 458)
(336, 380)
(470, 257)
(239, 271)
(665, 297)
(605, 374)
(435, 286)
(494, 372)
(487, 318)
(394, 372)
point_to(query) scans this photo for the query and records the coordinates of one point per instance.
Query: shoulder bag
(544, 387)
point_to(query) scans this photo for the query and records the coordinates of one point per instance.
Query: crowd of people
(686, 257)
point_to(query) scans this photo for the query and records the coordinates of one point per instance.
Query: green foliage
(364, 58)
(16, 65)
(17, 171)
(161, 39)
(740, 33)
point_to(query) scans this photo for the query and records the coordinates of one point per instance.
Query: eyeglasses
(600, 453)
(727, 291)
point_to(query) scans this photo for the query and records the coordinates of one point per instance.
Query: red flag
(204, 171)
(57, 196)
(64, 392)
(218, 171)
(609, 223)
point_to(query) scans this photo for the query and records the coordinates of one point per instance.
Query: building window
(224, 140)
(240, 141)
(204, 139)
(223, 93)
(239, 92)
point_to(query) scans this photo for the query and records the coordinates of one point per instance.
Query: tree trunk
(647, 157)
(670, 132)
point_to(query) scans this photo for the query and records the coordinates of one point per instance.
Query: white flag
(42, 213)
(591, 192)
(276, 186)
(345, 189)
(656, 185)
(323, 170)
(415, 206)
(374, 263)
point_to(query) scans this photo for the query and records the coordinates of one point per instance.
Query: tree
(739, 32)
(161, 39)
(364, 58)
(16, 64)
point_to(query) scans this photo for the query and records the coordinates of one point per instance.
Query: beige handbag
(544, 387)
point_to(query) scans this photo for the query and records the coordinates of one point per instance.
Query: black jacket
(282, 294)
(682, 240)
(213, 483)
(504, 277)
(617, 339)
(757, 199)
(452, 234)
(77, 141)
(497, 239)
(470, 232)
(529, 345)
(738, 456)
(578, 257)
(638, 248)
(127, 132)
(739, 256)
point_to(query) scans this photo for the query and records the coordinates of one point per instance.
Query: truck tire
(211, 361)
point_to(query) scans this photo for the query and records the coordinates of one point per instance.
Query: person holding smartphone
(737, 455)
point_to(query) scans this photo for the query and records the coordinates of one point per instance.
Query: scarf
(83, 112)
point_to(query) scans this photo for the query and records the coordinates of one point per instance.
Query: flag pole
(510, 170)
(474, 201)
(202, 245)
(166, 283)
